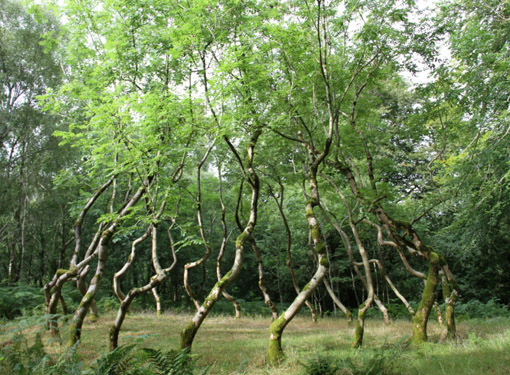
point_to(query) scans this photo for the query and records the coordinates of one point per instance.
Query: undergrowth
(17, 357)
(371, 362)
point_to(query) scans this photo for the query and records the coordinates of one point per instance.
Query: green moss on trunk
(187, 335)
(421, 317)
(450, 297)
(357, 341)
(114, 337)
(275, 353)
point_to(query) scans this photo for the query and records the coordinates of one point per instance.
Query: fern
(115, 362)
(173, 362)
(66, 364)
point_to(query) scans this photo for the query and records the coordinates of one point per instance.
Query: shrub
(477, 309)
(19, 300)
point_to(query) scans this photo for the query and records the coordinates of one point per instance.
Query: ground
(238, 346)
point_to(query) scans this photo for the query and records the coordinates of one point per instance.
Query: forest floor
(238, 346)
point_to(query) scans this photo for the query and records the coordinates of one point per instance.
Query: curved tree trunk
(226, 236)
(382, 309)
(411, 242)
(126, 303)
(315, 159)
(262, 285)
(289, 265)
(208, 250)
(420, 319)
(275, 351)
(191, 329)
(62, 276)
(336, 301)
(53, 289)
(118, 275)
(366, 279)
(102, 257)
(189, 332)
(82, 287)
(157, 299)
(155, 280)
(260, 265)
(450, 297)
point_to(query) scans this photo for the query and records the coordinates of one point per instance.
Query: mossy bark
(421, 317)
(191, 329)
(56, 297)
(439, 313)
(275, 353)
(357, 341)
(450, 298)
(51, 310)
(117, 324)
(189, 332)
(102, 257)
(82, 287)
(86, 301)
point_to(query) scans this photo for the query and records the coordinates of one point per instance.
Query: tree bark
(226, 236)
(158, 301)
(53, 289)
(102, 257)
(208, 249)
(189, 332)
(337, 302)
(289, 265)
(275, 352)
(421, 316)
(450, 297)
(155, 280)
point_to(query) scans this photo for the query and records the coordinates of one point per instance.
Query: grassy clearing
(238, 346)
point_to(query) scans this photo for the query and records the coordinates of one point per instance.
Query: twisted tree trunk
(421, 316)
(191, 329)
(160, 276)
(275, 352)
(102, 257)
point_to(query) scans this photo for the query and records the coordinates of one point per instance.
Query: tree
(471, 94)
(29, 157)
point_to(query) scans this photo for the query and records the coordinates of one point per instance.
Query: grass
(238, 346)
